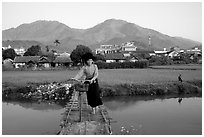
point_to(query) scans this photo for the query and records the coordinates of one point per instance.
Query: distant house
(161, 52)
(4, 48)
(45, 62)
(8, 63)
(132, 59)
(114, 57)
(20, 51)
(62, 54)
(195, 50)
(129, 46)
(173, 54)
(20, 61)
(65, 54)
(62, 60)
(107, 49)
(147, 52)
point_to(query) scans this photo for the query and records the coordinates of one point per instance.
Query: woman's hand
(74, 79)
(92, 81)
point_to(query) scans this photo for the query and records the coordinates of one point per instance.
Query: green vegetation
(116, 82)
(33, 51)
(114, 65)
(76, 55)
(165, 88)
(9, 54)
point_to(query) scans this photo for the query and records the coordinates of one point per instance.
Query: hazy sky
(182, 19)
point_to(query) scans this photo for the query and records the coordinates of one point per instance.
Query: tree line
(35, 50)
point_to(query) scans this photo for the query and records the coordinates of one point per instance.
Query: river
(130, 115)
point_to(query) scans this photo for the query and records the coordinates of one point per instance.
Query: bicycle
(80, 86)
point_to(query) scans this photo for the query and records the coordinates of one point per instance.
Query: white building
(107, 49)
(4, 48)
(195, 49)
(129, 46)
(20, 51)
(64, 54)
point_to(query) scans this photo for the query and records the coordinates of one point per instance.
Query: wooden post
(80, 108)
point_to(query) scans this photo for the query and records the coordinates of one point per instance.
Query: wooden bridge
(78, 119)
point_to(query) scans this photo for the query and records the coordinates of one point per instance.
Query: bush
(115, 65)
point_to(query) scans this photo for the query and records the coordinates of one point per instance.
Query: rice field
(106, 76)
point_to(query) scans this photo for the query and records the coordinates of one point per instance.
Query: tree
(9, 53)
(99, 57)
(76, 55)
(47, 48)
(33, 51)
(56, 42)
(141, 55)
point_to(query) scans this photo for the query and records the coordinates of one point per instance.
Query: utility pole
(149, 38)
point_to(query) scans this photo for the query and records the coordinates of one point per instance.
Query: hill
(111, 31)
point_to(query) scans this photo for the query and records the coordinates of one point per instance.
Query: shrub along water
(114, 65)
(168, 88)
(60, 91)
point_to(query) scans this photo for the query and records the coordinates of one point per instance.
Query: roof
(114, 56)
(161, 52)
(139, 51)
(26, 59)
(132, 58)
(62, 59)
(44, 60)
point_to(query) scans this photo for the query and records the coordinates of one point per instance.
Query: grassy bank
(107, 76)
(50, 91)
(114, 82)
(164, 88)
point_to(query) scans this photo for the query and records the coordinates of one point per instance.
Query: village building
(4, 48)
(161, 52)
(132, 59)
(20, 51)
(114, 57)
(106, 49)
(62, 61)
(8, 63)
(62, 54)
(44, 62)
(195, 50)
(26, 61)
(129, 46)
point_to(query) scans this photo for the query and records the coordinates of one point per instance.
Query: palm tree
(56, 42)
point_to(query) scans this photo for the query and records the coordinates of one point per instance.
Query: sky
(183, 19)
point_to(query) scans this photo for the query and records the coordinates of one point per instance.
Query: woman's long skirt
(93, 94)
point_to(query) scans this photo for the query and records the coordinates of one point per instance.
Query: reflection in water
(151, 116)
(44, 106)
(26, 118)
(134, 115)
(180, 100)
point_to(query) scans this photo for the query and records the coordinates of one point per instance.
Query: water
(147, 116)
(133, 115)
(20, 118)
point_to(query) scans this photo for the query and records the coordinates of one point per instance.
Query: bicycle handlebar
(80, 81)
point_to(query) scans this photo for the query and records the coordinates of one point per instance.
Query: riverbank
(61, 92)
(160, 88)
(113, 82)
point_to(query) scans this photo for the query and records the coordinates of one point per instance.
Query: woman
(90, 72)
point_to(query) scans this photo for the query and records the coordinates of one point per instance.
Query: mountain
(42, 31)
(21, 43)
(111, 31)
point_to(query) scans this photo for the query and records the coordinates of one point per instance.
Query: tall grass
(106, 76)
